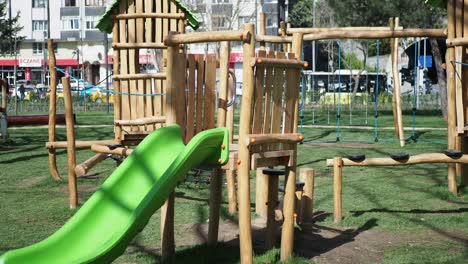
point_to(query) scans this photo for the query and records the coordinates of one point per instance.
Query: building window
(269, 22)
(95, 2)
(39, 25)
(55, 47)
(37, 48)
(69, 3)
(70, 23)
(244, 20)
(91, 22)
(39, 3)
(219, 1)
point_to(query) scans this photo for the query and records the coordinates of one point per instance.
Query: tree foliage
(9, 29)
(377, 12)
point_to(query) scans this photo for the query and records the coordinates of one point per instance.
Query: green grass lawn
(407, 211)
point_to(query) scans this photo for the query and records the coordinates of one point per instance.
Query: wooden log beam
(211, 36)
(78, 144)
(381, 34)
(116, 151)
(451, 97)
(4, 88)
(148, 45)
(141, 121)
(257, 139)
(140, 76)
(149, 15)
(83, 168)
(307, 176)
(291, 31)
(337, 188)
(273, 39)
(283, 63)
(416, 159)
(71, 151)
(52, 110)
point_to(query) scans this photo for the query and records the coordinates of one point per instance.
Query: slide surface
(102, 228)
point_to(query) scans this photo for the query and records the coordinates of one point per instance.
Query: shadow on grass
(412, 211)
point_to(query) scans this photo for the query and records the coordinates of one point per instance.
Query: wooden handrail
(139, 76)
(283, 63)
(149, 15)
(255, 139)
(117, 151)
(273, 39)
(363, 34)
(141, 121)
(78, 144)
(213, 36)
(416, 159)
(148, 45)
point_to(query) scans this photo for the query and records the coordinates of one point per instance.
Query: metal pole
(106, 50)
(14, 76)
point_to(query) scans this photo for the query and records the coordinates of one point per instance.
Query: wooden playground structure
(184, 92)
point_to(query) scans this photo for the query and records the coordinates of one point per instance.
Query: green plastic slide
(102, 228)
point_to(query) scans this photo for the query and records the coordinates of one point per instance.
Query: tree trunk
(441, 76)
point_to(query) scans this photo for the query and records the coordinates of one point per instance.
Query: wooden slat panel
(116, 68)
(259, 92)
(173, 10)
(141, 84)
(180, 66)
(291, 93)
(258, 100)
(200, 81)
(158, 23)
(268, 96)
(133, 60)
(210, 92)
(149, 22)
(277, 102)
(148, 31)
(157, 100)
(125, 103)
(192, 64)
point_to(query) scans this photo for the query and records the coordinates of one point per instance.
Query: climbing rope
(376, 109)
(338, 112)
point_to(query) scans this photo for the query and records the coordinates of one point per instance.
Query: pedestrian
(22, 90)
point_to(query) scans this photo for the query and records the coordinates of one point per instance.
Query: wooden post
(71, 152)
(287, 234)
(52, 109)
(167, 210)
(464, 139)
(4, 88)
(283, 34)
(231, 186)
(215, 205)
(270, 237)
(216, 180)
(298, 206)
(84, 167)
(243, 178)
(337, 187)
(307, 176)
(396, 87)
(230, 174)
(261, 193)
(262, 29)
(451, 109)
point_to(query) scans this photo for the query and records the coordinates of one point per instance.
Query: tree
(9, 29)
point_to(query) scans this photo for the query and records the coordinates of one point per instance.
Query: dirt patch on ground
(26, 183)
(321, 244)
(353, 145)
(84, 190)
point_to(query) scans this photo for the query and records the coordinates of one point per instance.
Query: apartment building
(79, 47)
